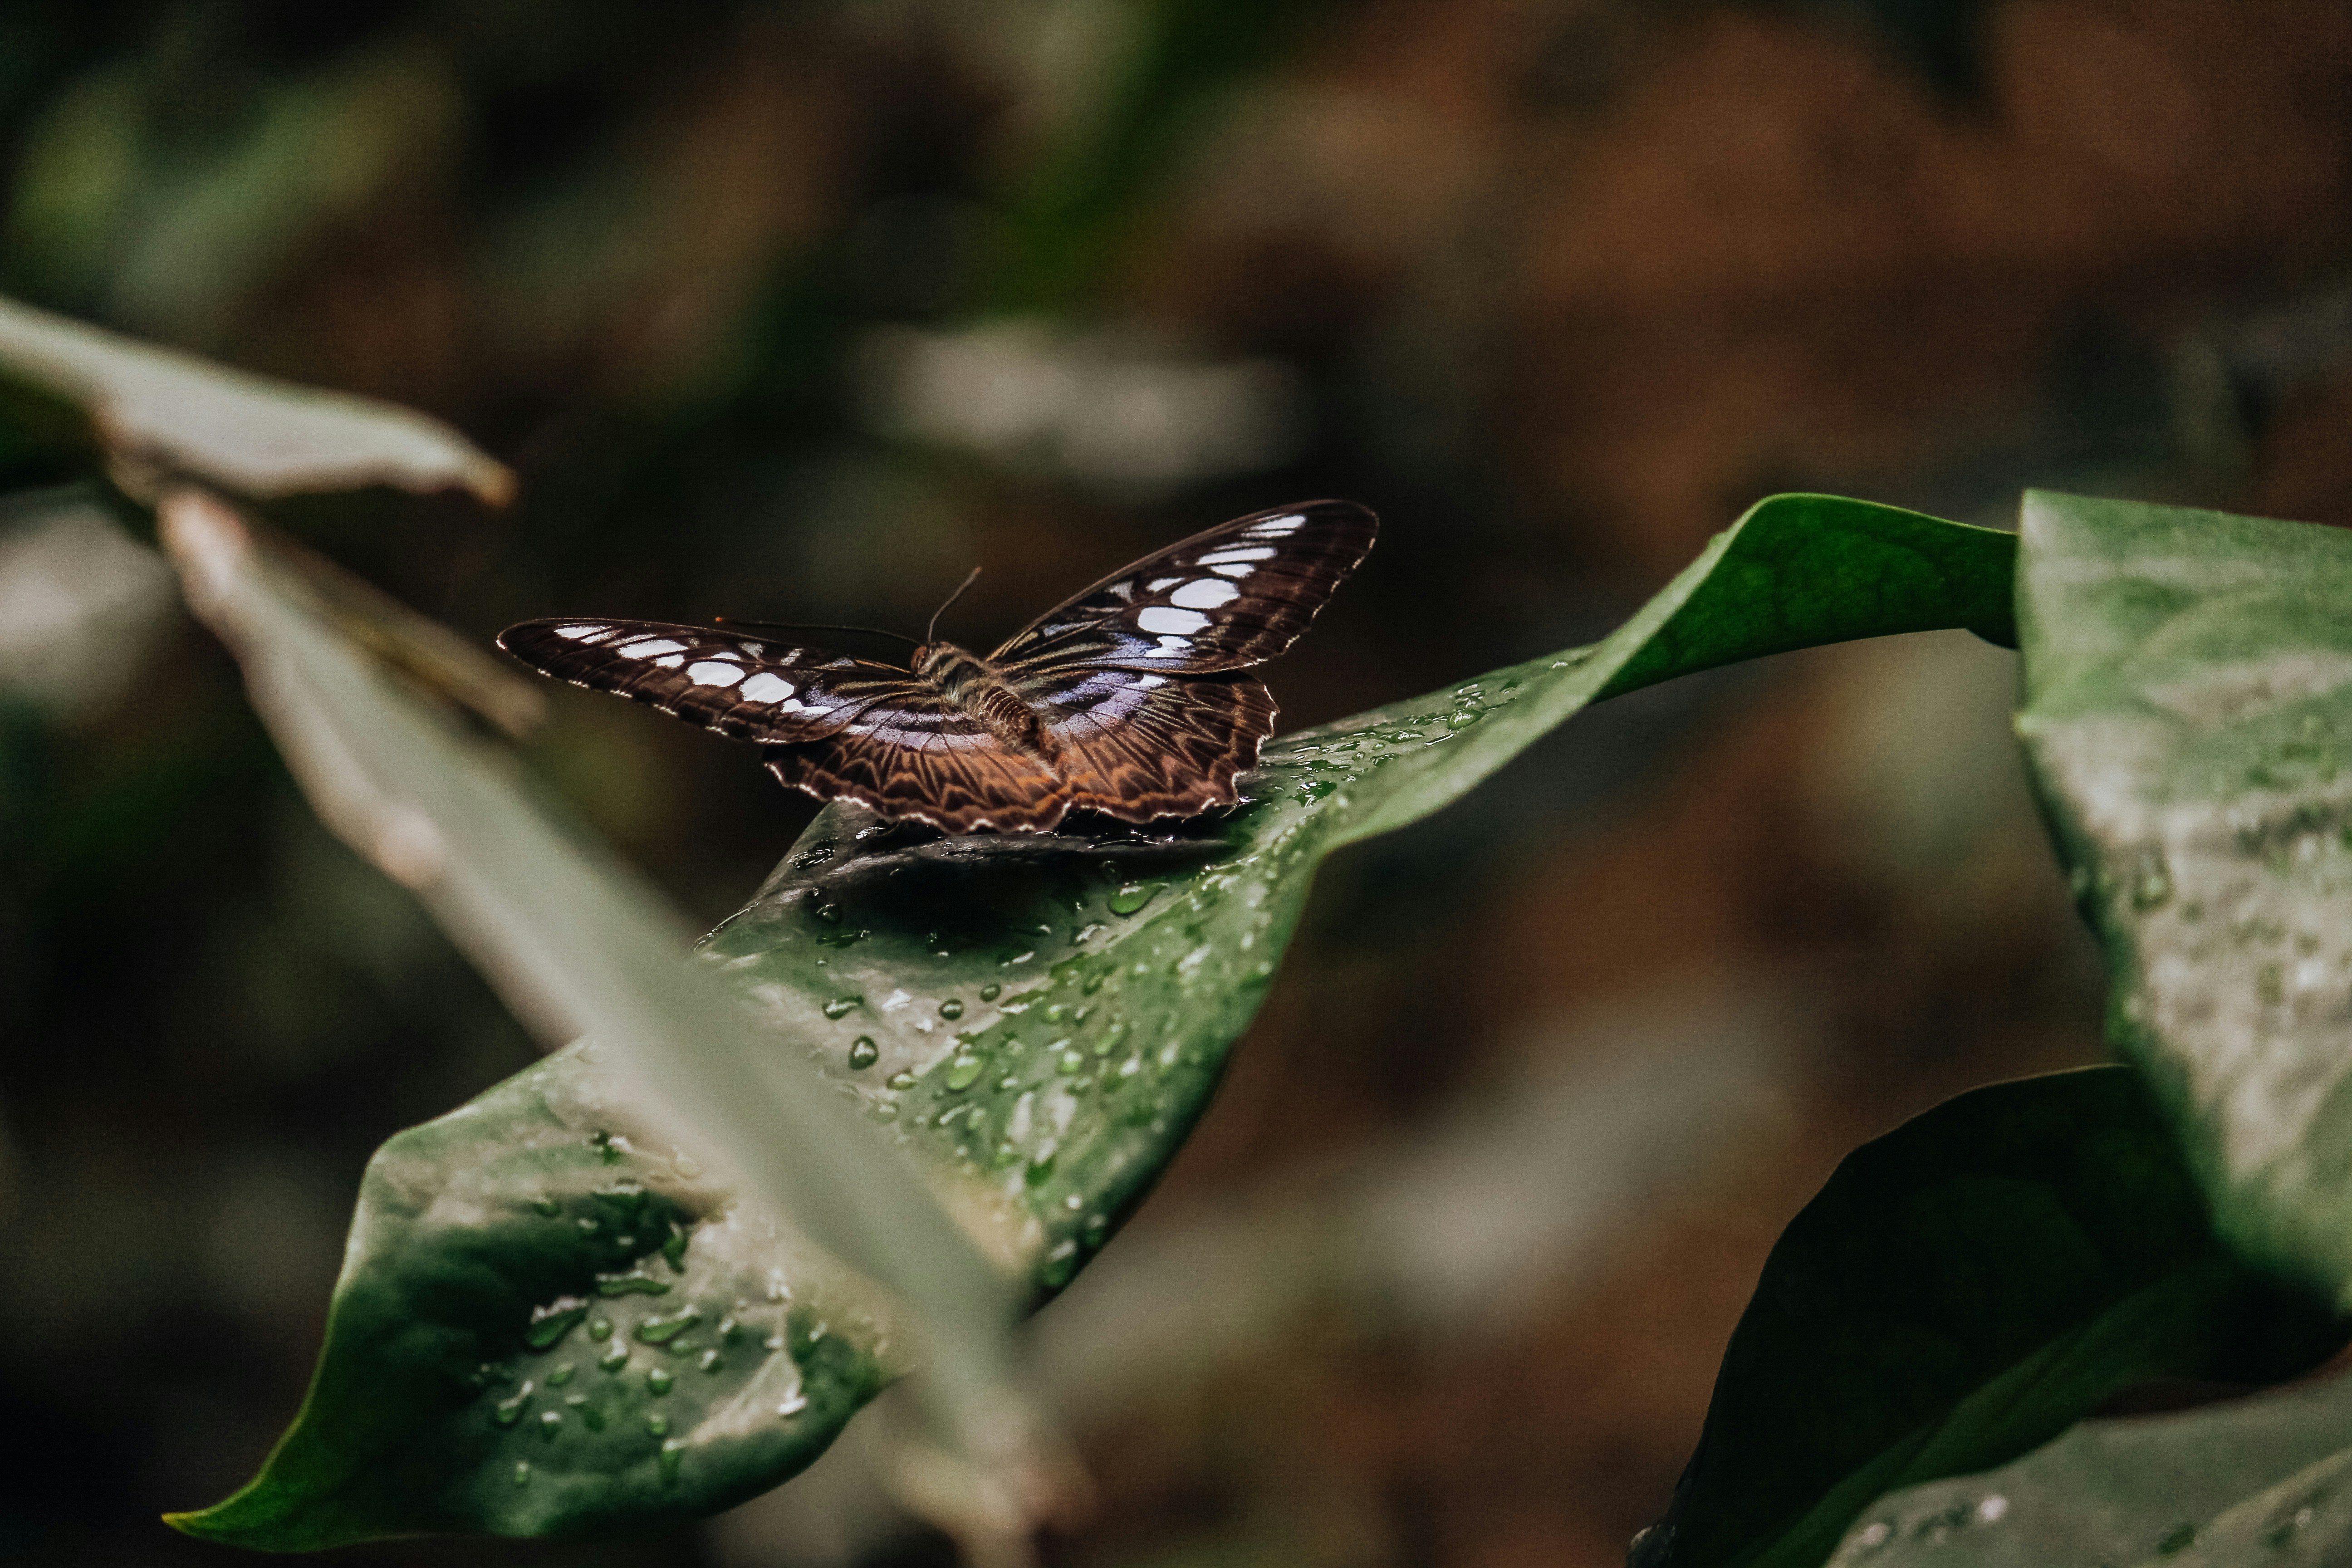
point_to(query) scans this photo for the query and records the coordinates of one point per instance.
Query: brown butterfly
(1127, 699)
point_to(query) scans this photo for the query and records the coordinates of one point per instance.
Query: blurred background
(799, 311)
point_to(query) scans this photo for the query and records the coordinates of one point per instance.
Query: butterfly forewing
(1222, 600)
(750, 688)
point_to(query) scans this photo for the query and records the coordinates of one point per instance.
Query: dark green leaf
(1040, 1020)
(481, 1267)
(2188, 718)
(1961, 1291)
(2262, 1481)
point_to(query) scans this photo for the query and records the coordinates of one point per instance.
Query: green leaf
(159, 412)
(1960, 1292)
(2266, 1480)
(567, 1322)
(2188, 720)
(1039, 1020)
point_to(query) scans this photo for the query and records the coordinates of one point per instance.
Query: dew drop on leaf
(864, 1053)
(1131, 898)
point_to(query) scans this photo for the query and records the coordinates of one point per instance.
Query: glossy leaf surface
(1040, 1020)
(2189, 717)
(2262, 1481)
(1960, 1292)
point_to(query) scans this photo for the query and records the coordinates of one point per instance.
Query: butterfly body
(1127, 700)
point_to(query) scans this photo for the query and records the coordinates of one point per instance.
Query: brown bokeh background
(799, 311)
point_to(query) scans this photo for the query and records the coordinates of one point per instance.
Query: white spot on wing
(1121, 591)
(670, 661)
(1277, 527)
(1169, 618)
(1160, 582)
(577, 633)
(1246, 552)
(1204, 594)
(1235, 573)
(1169, 647)
(1149, 681)
(714, 672)
(649, 647)
(766, 688)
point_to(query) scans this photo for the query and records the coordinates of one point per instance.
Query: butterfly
(1128, 699)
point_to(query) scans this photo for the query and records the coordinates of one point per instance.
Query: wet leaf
(2188, 720)
(1038, 1020)
(1960, 1292)
(548, 1317)
(2265, 1480)
(159, 413)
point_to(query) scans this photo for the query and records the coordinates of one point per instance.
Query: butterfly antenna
(942, 610)
(811, 626)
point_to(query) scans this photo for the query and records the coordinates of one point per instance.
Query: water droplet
(709, 1361)
(522, 1473)
(1041, 1165)
(550, 1324)
(2151, 881)
(1058, 1266)
(829, 913)
(560, 1375)
(990, 992)
(900, 1080)
(507, 1412)
(964, 1071)
(1463, 719)
(673, 1250)
(636, 1282)
(1132, 897)
(614, 1359)
(842, 1006)
(600, 1329)
(1097, 1225)
(863, 1053)
(952, 1008)
(673, 1455)
(659, 1378)
(1113, 1033)
(1071, 1060)
(661, 1330)
(793, 1405)
(549, 1421)
(658, 1425)
(548, 1206)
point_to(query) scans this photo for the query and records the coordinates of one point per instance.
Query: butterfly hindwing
(1139, 746)
(1226, 599)
(919, 755)
(749, 687)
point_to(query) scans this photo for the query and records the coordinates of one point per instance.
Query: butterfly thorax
(978, 688)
